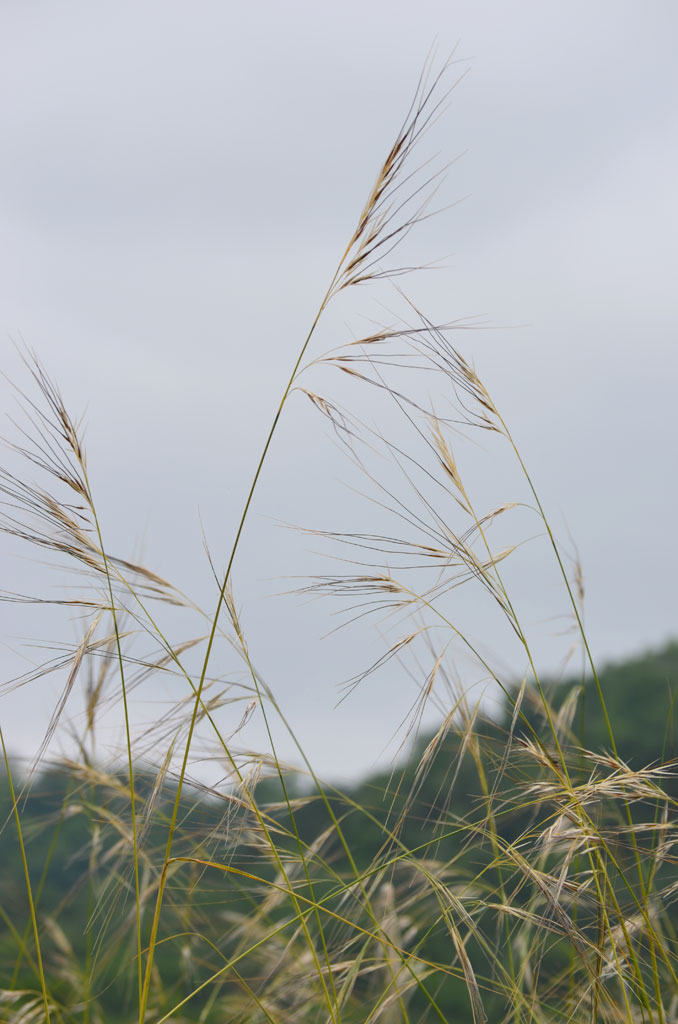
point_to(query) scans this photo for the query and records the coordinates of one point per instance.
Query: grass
(545, 895)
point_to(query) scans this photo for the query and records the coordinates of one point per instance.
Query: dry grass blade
(85, 647)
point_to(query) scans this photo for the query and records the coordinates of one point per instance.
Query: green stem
(128, 737)
(27, 877)
(211, 639)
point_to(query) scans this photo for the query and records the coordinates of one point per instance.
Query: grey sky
(178, 183)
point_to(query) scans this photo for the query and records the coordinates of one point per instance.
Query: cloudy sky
(178, 183)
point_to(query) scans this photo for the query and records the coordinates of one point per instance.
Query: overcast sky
(178, 183)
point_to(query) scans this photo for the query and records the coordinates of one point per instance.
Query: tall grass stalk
(27, 878)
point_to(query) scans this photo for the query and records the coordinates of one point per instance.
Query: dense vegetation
(84, 891)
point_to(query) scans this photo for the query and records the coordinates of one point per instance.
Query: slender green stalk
(128, 740)
(27, 878)
(43, 877)
(599, 690)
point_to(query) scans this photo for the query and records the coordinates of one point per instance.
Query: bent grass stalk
(203, 673)
(355, 266)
